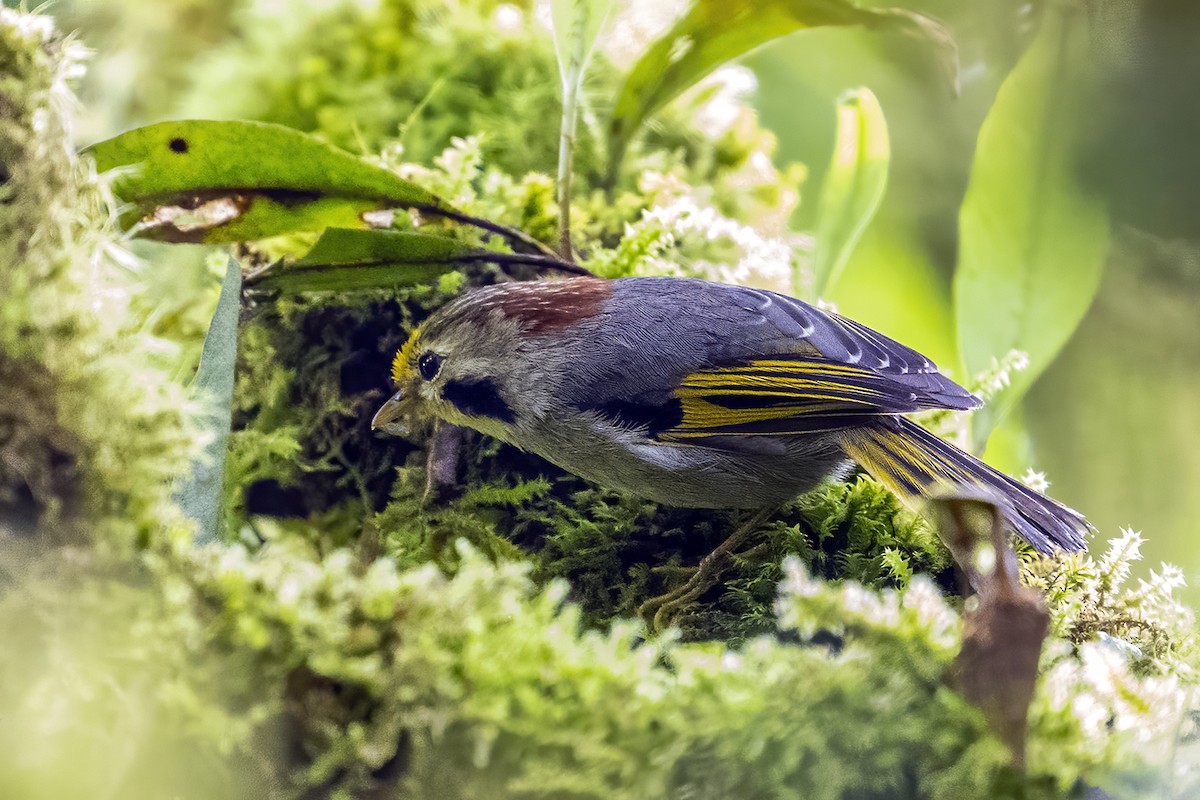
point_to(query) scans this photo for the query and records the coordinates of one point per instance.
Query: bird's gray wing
(896, 369)
(705, 361)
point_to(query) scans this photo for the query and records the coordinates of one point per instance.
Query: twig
(548, 262)
(511, 235)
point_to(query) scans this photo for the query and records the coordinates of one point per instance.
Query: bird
(698, 394)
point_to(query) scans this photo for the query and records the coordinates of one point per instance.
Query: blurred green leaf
(893, 285)
(1032, 242)
(577, 23)
(199, 496)
(229, 181)
(576, 26)
(853, 186)
(714, 32)
(345, 259)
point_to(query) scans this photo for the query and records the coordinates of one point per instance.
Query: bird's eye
(429, 365)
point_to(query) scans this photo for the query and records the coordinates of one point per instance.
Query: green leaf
(577, 23)
(200, 496)
(229, 181)
(576, 26)
(853, 186)
(714, 32)
(1032, 242)
(346, 259)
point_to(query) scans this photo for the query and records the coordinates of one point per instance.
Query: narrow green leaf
(853, 186)
(347, 259)
(577, 23)
(345, 247)
(1032, 242)
(714, 32)
(200, 496)
(224, 181)
(359, 277)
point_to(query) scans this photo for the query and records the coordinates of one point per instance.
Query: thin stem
(566, 159)
(511, 235)
(548, 262)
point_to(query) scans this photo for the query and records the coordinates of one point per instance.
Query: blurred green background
(1114, 421)
(1111, 421)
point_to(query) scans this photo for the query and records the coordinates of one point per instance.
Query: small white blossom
(508, 18)
(729, 87)
(763, 259)
(1035, 480)
(996, 379)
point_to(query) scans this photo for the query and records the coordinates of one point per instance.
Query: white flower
(1035, 480)
(508, 18)
(729, 87)
(763, 259)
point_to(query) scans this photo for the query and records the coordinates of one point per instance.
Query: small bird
(698, 394)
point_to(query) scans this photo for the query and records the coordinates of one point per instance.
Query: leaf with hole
(230, 181)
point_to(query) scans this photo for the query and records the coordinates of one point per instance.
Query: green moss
(296, 674)
(91, 430)
(1096, 599)
(617, 551)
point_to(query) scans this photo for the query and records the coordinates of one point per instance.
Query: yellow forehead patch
(404, 356)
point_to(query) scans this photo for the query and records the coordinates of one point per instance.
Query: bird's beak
(386, 418)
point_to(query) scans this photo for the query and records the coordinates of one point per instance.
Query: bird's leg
(441, 466)
(665, 606)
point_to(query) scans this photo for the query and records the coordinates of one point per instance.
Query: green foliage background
(344, 640)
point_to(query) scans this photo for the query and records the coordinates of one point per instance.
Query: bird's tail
(915, 463)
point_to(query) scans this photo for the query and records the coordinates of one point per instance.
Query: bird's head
(482, 361)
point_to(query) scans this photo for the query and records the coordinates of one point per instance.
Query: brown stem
(512, 235)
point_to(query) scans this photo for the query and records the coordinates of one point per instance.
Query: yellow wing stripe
(675, 435)
(799, 396)
(903, 461)
(885, 466)
(698, 413)
(807, 366)
(799, 388)
(763, 384)
(788, 389)
(700, 417)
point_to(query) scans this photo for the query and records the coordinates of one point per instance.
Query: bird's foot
(660, 611)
